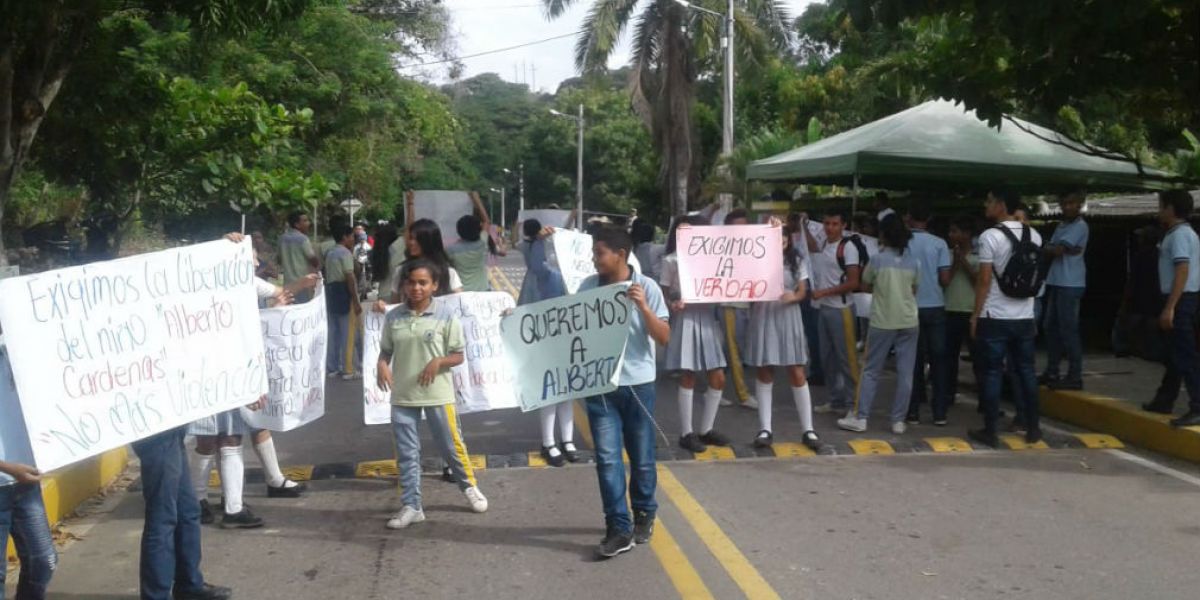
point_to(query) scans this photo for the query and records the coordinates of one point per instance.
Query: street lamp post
(726, 199)
(578, 162)
(503, 219)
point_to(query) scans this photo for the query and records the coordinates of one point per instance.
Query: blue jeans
(23, 514)
(1062, 331)
(1182, 367)
(931, 350)
(958, 330)
(335, 353)
(1011, 341)
(171, 534)
(617, 419)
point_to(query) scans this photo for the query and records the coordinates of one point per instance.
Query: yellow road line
(1099, 440)
(679, 569)
(735, 563)
(713, 453)
(499, 279)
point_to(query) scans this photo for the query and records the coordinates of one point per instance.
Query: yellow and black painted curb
(1123, 420)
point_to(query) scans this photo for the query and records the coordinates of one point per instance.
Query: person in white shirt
(835, 277)
(1002, 324)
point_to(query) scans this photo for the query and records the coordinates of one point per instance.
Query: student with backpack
(1010, 275)
(837, 264)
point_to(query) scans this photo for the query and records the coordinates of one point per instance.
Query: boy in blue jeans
(623, 417)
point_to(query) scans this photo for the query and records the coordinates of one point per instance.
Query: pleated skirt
(776, 335)
(697, 340)
(227, 423)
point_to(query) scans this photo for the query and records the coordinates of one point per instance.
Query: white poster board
(548, 217)
(730, 263)
(109, 353)
(14, 439)
(295, 339)
(445, 208)
(377, 404)
(485, 379)
(568, 347)
(570, 252)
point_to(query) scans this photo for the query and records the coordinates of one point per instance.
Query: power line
(496, 51)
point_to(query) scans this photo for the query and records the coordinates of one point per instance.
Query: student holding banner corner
(624, 418)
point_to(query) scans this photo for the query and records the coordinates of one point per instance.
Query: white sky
(485, 25)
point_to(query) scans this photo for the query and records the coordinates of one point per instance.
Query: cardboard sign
(295, 338)
(730, 263)
(569, 347)
(444, 208)
(377, 404)
(485, 379)
(570, 252)
(113, 352)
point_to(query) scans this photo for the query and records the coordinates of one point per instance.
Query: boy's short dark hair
(920, 211)
(416, 264)
(840, 213)
(294, 218)
(642, 232)
(340, 232)
(531, 227)
(1179, 200)
(469, 228)
(735, 214)
(1010, 198)
(615, 238)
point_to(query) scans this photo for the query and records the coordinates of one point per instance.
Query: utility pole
(521, 184)
(724, 198)
(578, 162)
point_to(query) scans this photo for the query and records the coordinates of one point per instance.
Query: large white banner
(295, 339)
(571, 253)
(14, 440)
(444, 208)
(485, 379)
(113, 352)
(569, 347)
(377, 404)
(548, 217)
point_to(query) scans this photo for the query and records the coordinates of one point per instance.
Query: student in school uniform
(623, 419)
(297, 257)
(1179, 282)
(424, 240)
(418, 347)
(836, 272)
(892, 276)
(776, 339)
(735, 316)
(469, 255)
(342, 299)
(695, 347)
(960, 302)
(933, 255)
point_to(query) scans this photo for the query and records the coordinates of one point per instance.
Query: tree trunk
(675, 111)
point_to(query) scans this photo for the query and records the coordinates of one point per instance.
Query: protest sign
(294, 341)
(730, 263)
(548, 217)
(377, 403)
(444, 208)
(569, 347)
(14, 440)
(485, 379)
(570, 252)
(113, 352)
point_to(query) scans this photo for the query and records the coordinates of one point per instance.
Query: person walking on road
(893, 277)
(1065, 285)
(776, 339)
(1179, 282)
(623, 419)
(418, 347)
(695, 347)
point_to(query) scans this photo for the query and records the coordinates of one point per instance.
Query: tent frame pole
(854, 202)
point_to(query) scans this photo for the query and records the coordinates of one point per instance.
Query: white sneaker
(823, 409)
(726, 401)
(899, 428)
(850, 423)
(476, 499)
(407, 516)
(351, 376)
(751, 404)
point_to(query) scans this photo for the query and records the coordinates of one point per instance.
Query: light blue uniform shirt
(1069, 270)
(1179, 245)
(638, 367)
(933, 255)
(14, 441)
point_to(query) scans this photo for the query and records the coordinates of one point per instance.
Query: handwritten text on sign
(485, 379)
(571, 254)
(377, 404)
(294, 338)
(569, 347)
(730, 263)
(113, 352)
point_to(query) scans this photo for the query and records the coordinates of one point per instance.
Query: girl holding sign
(695, 347)
(776, 339)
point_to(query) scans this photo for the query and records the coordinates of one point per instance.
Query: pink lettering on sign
(730, 263)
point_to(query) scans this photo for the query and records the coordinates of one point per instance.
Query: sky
(487, 25)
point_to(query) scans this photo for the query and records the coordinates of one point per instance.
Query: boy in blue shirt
(1065, 285)
(624, 417)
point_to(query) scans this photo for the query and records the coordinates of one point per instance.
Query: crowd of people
(904, 294)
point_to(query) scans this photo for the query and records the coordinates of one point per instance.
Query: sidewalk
(1114, 390)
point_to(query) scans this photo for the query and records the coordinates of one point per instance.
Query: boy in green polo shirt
(419, 345)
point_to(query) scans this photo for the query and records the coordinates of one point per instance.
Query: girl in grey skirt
(776, 339)
(695, 347)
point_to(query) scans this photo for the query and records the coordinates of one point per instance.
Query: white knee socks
(712, 401)
(762, 393)
(233, 474)
(270, 463)
(546, 414)
(200, 465)
(566, 421)
(803, 406)
(685, 410)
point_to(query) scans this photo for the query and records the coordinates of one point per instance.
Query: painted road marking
(478, 461)
(948, 444)
(1153, 466)
(871, 447)
(679, 569)
(1017, 442)
(792, 450)
(536, 461)
(299, 473)
(376, 468)
(715, 453)
(1099, 440)
(726, 552)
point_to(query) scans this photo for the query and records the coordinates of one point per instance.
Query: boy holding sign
(625, 416)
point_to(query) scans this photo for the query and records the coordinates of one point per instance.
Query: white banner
(548, 217)
(571, 253)
(569, 347)
(113, 352)
(444, 208)
(377, 404)
(485, 379)
(295, 339)
(14, 440)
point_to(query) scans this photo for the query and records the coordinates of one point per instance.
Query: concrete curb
(1122, 420)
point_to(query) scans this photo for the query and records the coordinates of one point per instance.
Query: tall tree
(666, 60)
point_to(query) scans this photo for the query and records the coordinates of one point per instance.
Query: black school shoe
(716, 438)
(207, 516)
(448, 475)
(643, 527)
(764, 439)
(570, 451)
(983, 436)
(811, 441)
(241, 520)
(614, 543)
(284, 491)
(208, 592)
(1159, 406)
(1191, 419)
(555, 460)
(691, 442)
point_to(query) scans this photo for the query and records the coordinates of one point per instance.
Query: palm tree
(666, 59)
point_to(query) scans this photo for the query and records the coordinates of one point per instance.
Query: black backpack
(1024, 273)
(863, 256)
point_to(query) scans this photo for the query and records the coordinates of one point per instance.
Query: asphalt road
(928, 517)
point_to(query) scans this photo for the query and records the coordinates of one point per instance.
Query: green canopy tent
(939, 145)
